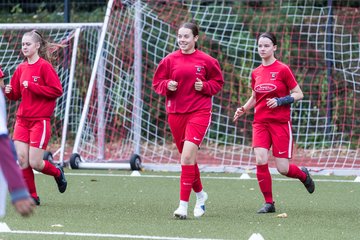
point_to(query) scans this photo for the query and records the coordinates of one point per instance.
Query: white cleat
(199, 209)
(180, 213)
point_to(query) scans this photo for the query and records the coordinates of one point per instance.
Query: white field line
(99, 235)
(203, 177)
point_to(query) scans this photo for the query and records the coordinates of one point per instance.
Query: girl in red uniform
(188, 78)
(274, 90)
(38, 86)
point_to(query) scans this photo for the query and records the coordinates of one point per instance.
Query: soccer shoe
(36, 201)
(267, 208)
(61, 180)
(180, 213)
(199, 209)
(309, 183)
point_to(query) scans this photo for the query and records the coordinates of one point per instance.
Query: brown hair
(47, 49)
(193, 27)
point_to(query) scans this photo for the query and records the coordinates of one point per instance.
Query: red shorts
(277, 135)
(36, 133)
(190, 127)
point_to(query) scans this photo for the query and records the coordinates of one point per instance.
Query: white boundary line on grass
(202, 177)
(5, 229)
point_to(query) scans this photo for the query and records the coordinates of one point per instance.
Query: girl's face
(266, 48)
(29, 46)
(186, 40)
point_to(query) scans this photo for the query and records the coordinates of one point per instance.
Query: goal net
(68, 108)
(319, 41)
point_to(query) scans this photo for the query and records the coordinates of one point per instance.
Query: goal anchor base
(88, 165)
(133, 164)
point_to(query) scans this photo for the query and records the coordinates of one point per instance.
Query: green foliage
(43, 15)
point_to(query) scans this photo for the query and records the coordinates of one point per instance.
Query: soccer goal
(123, 119)
(73, 65)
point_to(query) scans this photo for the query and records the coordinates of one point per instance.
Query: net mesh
(318, 40)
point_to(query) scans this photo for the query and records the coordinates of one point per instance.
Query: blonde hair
(47, 49)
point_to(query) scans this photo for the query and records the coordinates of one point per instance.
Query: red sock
(29, 178)
(197, 186)
(50, 169)
(186, 181)
(264, 179)
(295, 172)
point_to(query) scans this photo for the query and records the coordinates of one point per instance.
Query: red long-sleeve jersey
(184, 69)
(275, 80)
(38, 100)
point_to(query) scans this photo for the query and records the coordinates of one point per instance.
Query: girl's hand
(271, 102)
(8, 89)
(198, 85)
(172, 85)
(25, 84)
(239, 112)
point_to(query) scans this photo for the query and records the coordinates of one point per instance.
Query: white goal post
(71, 63)
(98, 75)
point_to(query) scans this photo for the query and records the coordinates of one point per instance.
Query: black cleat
(309, 183)
(61, 180)
(36, 200)
(267, 208)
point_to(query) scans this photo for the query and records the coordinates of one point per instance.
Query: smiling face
(186, 40)
(29, 47)
(266, 48)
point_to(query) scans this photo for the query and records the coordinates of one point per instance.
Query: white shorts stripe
(207, 129)
(290, 141)
(43, 135)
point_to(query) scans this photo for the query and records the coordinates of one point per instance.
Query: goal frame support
(45, 26)
(134, 163)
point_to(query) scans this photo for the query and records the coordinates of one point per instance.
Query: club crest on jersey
(199, 69)
(35, 78)
(273, 75)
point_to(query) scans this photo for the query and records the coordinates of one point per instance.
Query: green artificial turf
(113, 202)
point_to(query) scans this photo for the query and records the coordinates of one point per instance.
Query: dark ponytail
(268, 35)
